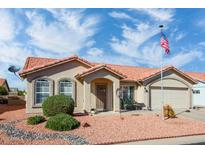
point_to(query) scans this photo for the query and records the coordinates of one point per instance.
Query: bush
(21, 92)
(169, 112)
(128, 104)
(62, 122)
(130, 107)
(58, 104)
(35, 120)
(3, 91)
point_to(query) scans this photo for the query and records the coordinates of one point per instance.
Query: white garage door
(176, 97)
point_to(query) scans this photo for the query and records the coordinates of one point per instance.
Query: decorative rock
(15, 133)
(86, 124)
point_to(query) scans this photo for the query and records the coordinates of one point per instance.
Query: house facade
(100, 86)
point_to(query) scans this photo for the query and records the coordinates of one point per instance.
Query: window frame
(129, 91)
(35, 91)
(72, 87)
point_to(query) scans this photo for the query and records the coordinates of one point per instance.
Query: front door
(101, 93)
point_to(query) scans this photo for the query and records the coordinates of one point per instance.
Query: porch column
(86, 95)
(116, 99)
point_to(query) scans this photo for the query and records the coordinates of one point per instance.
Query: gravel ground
(15, 133)
(103, 129)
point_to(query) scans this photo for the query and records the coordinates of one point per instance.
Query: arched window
(66, 87)
(42, 90)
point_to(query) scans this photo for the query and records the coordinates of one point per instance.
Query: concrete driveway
(189, 140)
(197, 114)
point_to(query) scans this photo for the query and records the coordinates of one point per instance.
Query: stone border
(15, 133)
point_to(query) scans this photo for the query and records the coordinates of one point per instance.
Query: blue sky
(120, 36)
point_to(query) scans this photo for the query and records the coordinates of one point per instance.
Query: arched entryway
(102, 94)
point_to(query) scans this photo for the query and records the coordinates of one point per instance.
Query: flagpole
(161, 79)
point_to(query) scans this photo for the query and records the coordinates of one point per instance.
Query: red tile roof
(99, 67)
(197, 75)
(34, 64)
(2, 81)
(130, 73)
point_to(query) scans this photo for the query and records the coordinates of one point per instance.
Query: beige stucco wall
(54, 74)
(171, 79)
(89, 98)
(140, 94)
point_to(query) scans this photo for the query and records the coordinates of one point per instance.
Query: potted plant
(92, 111)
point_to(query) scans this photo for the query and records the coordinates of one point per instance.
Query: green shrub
(58, 104)
(62, 122)
(169, 112)
(130, 107)
(128, 104)
(21, 92)
(3, 91)
(35, 120)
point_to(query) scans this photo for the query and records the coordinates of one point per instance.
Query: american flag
(164, 43)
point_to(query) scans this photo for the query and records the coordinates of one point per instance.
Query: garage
(177, 97)
(177, 89)
(199, 94)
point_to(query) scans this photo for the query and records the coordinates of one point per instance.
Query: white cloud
(7, 25)
(201, 23)
(133, 38)
(184, 58)
(120, 15)
(13, 53)
(70, 32)
(180, 36)
(159, 14)
(136, 44)
(95, 52)
(110, 59)
(202, 44)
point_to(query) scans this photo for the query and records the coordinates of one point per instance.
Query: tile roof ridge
(203, 73)
(123, 65)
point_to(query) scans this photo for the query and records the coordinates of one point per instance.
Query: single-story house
(100, 86)
(4, 83)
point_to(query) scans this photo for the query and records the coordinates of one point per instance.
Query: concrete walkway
(190, 140)
(195, 114)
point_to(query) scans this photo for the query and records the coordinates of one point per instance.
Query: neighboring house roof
(100, 67)
(127, 73)
(3, 81)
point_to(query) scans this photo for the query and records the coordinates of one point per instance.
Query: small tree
(3, 91)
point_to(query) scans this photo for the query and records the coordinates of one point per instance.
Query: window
(196, 91)
(127, 92)
(42, 90)
(66, 88)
